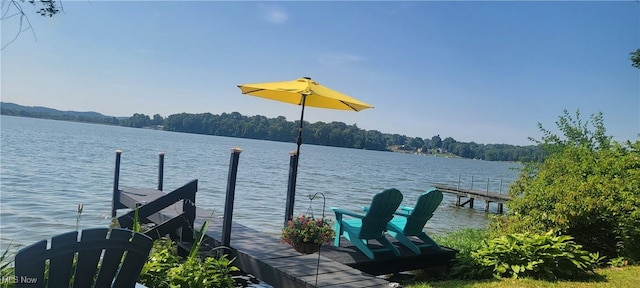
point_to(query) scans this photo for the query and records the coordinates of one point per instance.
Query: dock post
(470, 202)
(500, 192)
(458, 200)
(471, 183)
(189, 210)
(487, 186)
(291, 188)
(160, 170)
(459, 181)
(115, 199)
(486, 206)
(500, 208)
(231, 190)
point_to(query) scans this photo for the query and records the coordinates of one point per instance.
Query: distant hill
(53, 112)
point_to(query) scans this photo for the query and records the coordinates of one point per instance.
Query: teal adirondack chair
(370, 226)
(410, 222)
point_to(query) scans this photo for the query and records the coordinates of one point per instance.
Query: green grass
(628, 276)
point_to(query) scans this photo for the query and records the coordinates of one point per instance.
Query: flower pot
(306, 247)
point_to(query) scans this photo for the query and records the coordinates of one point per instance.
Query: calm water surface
(48, 167)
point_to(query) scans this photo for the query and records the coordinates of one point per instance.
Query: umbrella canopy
(303, 92)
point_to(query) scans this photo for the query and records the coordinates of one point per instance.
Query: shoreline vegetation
(335, 134)
(572, 222)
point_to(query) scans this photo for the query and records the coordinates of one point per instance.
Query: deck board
(279, 265)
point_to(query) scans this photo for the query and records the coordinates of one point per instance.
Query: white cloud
(273, 14)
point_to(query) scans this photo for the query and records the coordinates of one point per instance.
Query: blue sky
(486, 72)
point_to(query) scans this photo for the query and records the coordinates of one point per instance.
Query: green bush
(200, 273)
(465, 241)
(163, 257)
(588, 187)
(166, 269)
(538, 256)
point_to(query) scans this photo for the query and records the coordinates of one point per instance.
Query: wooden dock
(488, 197)
(263, 256)
(278, 264)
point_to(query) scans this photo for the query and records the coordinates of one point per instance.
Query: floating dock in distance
(488, 197)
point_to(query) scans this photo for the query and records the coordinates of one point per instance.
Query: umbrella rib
(347, 104)
(256, 90)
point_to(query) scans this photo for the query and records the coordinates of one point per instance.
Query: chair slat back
(88, 260)
(427, 203)
(61, 254)
(25, 267)
(379, 213)
(98, 254)
(136, 255)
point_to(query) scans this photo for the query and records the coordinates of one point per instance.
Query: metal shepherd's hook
(324, 203)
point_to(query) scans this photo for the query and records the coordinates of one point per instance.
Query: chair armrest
(402, 214)
(404, 211)
(346, 212)
(406, 208)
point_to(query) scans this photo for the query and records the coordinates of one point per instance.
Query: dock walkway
(488, 197)
(280, 266)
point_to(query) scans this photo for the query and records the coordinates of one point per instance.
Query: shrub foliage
(543, 256)
(166, 269)
(465, 241)
(588, 187)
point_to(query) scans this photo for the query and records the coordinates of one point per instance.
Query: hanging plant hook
(324, 202)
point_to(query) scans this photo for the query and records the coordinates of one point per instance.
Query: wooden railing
(182, 224)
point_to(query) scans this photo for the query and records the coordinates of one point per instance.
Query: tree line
(337, 134)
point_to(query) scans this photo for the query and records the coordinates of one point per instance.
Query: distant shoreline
(334, 134)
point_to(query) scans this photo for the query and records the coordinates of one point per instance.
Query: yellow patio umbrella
(303, 92)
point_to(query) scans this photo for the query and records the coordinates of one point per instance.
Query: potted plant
(305, 234)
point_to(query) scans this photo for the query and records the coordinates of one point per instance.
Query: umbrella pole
(299, 141)
(293, 171)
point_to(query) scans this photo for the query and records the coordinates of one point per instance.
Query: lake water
(48, 167)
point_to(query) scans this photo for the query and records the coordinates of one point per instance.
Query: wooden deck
(280, 266)
(488, 197)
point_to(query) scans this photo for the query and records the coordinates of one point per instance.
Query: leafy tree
(447, 143)
(635, 58)
(157, 120)
(137, 120)
(416, 142)
(576, 133)
(587, 187)
(13, 8)
(436, 141)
